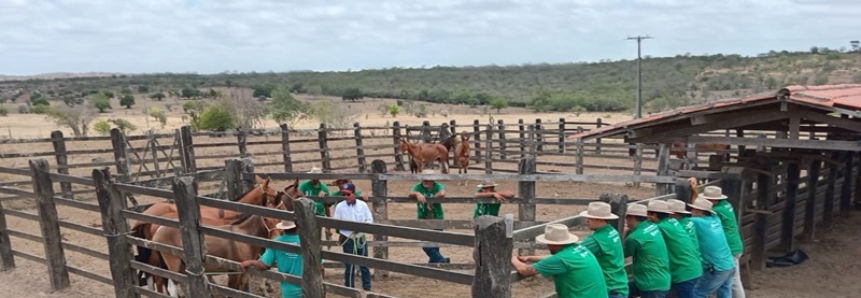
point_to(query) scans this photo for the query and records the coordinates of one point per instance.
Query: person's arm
(257, 264)
(590, 244)
(523, 268)
(369, 217)
(441, 192)
(414, 193)
(532, 259)
(631, 246)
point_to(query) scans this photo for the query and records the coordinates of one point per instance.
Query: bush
(102, 127)
(39, 109)
(159, 114)
(4, 111)
(127, 100)
(217, 118)
(23, 110)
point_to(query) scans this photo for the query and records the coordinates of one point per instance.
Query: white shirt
(358, 212)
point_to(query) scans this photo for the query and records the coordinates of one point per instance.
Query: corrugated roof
(846, 96)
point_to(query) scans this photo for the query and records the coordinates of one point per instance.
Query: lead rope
(359, 241)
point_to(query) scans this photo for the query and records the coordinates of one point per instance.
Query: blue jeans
(718, 281)
(434, 256)
(349, 277)
(636, 292)
(616, 296)
(685, 289)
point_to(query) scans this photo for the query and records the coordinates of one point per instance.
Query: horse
(448, 143)
(679, 149)
(247, 224)
(425, 153)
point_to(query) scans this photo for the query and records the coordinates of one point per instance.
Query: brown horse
(424, 154)
(461, 154)
(679, 149)
(248, 224)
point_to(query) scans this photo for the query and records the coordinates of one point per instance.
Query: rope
(359, 241)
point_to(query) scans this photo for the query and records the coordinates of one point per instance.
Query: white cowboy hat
(487, 184)
(637, 210)
(703, 205)
(428, 172)
(285, 225)
(712, 193)
(556, 234)
(659, 206)
(315, 170)
(598, 210)
(677, 206)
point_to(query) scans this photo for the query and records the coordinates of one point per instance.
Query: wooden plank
(185, 190)
(787, 233)
(310, 233)
(82, 228)
(493, 240)
(77, 204)
(500, 129)
(86, 251)
(324, 149)
(476, 139)
(522, 132)
(241, 141)
(530, 232)
(402, 232)
(7, 260)
(810, 206)
(285, 148)
(846, 191)
(488, 158)
(526, 209)
(146, 191)
(62, 161)
(186, 145)
(66, 178)
(111, 204)
(380, 189)
(58, 273)
(780, 143)
(360, 151)
(396, 136)
(546, 177)
(619, 207)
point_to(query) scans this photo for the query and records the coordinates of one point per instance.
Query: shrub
(39, 109)
(102, 127)
(23, 110)
(123, 124)
(159, 114)
(394, 110)
(3, 111)
(217, 118)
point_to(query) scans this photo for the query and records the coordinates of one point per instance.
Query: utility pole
(639, 39)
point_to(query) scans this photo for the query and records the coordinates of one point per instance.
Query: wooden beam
(830, 120)
(794, 126)
(741, 119)
(779, 143)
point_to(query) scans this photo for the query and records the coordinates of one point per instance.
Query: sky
(213, 36)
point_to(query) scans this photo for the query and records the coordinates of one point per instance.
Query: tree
(855, 45)
(352, 94)
(158, 96)
(143, 89)
(333, 115)
(188, 92)
(76, 118)
(123, 125)
(498, 104)
(285, 108)
(394, 110)
(158, 114)
(217, 117)
(192, 106)
(247, 111)
(315, 91)
(107, 93)
(541, 102)
(101, 102)
(127, 100)
(814, 50)
(126, 90)
(264, 91)
(39, 101)
(3, 111)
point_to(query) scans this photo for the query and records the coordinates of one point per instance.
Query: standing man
(313, 188)
(685, 266)
(725, 212)
(288, 263)
(646, 245)
(718, 264)
(351, 209)
(681, 214)
(574, 269)
(422, 191)
(487, 189)
(606, 244)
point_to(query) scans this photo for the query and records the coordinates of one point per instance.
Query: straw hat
(556, 234)
(315, 170)
(637, 210)
(598, 210)
(487, 183)
(712, 193)
(677, 206)
(285, 225)
(659, 206)
(429, 172)
(703, 205)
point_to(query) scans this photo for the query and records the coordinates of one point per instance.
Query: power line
(639, 40)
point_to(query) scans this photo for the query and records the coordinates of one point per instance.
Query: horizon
(214, 37)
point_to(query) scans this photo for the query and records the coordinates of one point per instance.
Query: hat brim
(587, 215)
(282, 226)
(664, 212)
(543, 240)
(698, 208)
(489, 185)
(721, 197)
(681, 212)
(637, 214)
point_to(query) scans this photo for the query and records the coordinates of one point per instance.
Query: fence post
(360, 151)
(619, 207)
(324, 149)
(453, 126)
(309, 240)
(426, 137)
(62, 161)
(379, 190)
(522, 129)
(232, 176)
(810, 208)
(396, 135)
(186, 145)
(154, 152)
(241, 136)
(638, 162)
(476, 128)
(787, 234)
(526, 209)
(733, 187)
(562, 135)
(488, 153)
(846, 193)
(598, 124)
(492, 255)
(285, 148)
(111, 205)
(830, 192)
(192, 238)
(531, 141)
(49, 224)
(580, 148)
(664, 170)
(684, 192)
(7, 260)
(500, 126)
(118, 142)
(764, 185)
(539, 137)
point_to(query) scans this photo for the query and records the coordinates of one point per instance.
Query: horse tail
(144, 253)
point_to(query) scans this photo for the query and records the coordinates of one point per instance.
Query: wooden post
(55, 258)
(764, 189)
(285, 148)
(539, 135)
(488, 157)
(598, 124)
(241, 136)
(118, 142)
(830, 192)
(531, 140)
(638, 162)
(846, 193)
(379, 189)
(453, 126)
(62, 161)
(360, 151)
(500, 126)
(476, 128)
(396, 135)
(619, 207)
(324, 149)
(579, 158)
(492, 255)
(691, 156)
(787, 235)
(664, 170)
(733, 187)
(426, 136)
(151, 140)
(309, 240)
(7, 260)
(192, 238)
(562, 135)
(522, 137)
(232, 177)
(186, 145)
(526, 209)
(810, 207)
(111, 205)
(739, 133)
(684, 192)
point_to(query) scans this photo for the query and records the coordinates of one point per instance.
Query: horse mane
(242, 195)
(448, 142)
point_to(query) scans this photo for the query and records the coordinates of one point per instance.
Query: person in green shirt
(681, 214)
(487, 189)
(685, 266)
(424, 210)
(314, 188)
(288, 263)
(575, 270)
(645, 244)
(723, 209)
(606, 244)
(340, 182)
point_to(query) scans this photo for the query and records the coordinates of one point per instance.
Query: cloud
(208, 36)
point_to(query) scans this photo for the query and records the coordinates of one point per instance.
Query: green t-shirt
(651, 263)
(422, 208)
(692, 232)
(486, 208)
(727, 217)
(286, 262)
(575, 272)
(684, 263)
(606, 245)
(309, 190)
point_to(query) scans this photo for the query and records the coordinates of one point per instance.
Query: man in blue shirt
(718, 264)
(288, 263)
